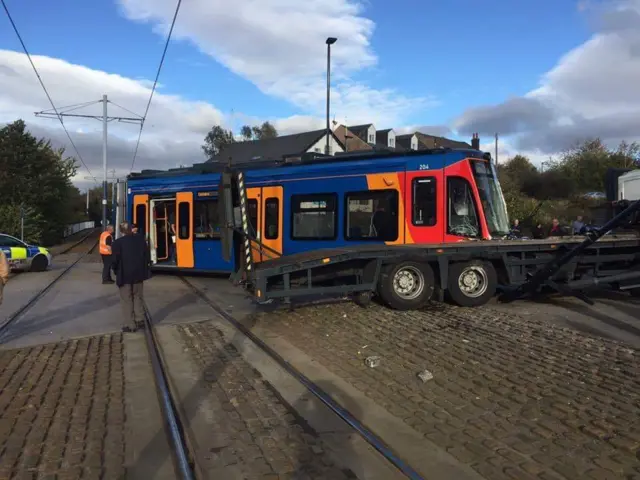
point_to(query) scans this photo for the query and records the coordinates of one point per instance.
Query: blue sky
(461, 64)
(462, 54)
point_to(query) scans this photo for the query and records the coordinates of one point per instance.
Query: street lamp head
(331, 40)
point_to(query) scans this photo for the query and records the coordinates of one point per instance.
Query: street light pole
(330, 41)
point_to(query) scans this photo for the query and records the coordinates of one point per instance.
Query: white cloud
(592, 91)
(174, 130)
(279, 45)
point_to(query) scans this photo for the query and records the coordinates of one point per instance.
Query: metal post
(22, 223)
(88, 189)
(104, 162)
(330, 41)
(496, 149)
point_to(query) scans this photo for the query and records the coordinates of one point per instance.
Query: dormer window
(372, 138)
(391, 142)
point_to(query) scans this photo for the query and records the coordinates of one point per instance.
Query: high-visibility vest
(104, 248)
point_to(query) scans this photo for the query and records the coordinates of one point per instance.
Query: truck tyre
(406, 285)
(39, 263)
(635, 292)
(472, 283)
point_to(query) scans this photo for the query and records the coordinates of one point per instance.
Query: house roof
(382, 136)
(360, 130)
(271, 148)
(404, 141)
(350, 140)
(432, 141)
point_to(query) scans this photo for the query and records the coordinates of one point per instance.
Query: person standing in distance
(131, 260)
(4, 273)
(106, 240)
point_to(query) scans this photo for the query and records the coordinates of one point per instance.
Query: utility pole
(104, 118)
(330, 41)
(496, 149)
(104, 161)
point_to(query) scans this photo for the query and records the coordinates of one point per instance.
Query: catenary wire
(15, 29)
(144, 117)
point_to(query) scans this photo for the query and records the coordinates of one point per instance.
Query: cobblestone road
(513, 398)
(253, 434)
(62, 411)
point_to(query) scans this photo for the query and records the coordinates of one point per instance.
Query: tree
(216, 140)
(263, 132)
(36, 177)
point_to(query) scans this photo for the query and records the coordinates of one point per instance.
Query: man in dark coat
(131, 261)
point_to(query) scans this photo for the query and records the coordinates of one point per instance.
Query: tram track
(15, 316)
(180, 444)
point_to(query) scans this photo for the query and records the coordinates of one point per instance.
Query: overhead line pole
(105, 119)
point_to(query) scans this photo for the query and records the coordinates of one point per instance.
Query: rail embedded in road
(370, 437)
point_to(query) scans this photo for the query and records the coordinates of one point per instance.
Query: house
(351, 141)
(426, 141)
(279, 147)
(386, 138)
(366, 132)
(408, 141)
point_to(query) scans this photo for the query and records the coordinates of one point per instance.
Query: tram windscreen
(493, 204)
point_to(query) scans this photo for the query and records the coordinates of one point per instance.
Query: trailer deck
(341, 271)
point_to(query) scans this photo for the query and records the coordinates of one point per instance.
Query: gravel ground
(513, 397)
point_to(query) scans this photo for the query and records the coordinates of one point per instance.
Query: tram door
(265, 210)
(141, 213)
(184, 230)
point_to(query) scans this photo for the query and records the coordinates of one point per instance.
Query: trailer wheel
(406, 285)
(472, 283)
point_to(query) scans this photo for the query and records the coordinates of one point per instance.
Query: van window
(462, 218)
(141, 218)
(372, 215)
(314, 216)
(271, 218)
(206, 220)
(184, 215)
(424, 201)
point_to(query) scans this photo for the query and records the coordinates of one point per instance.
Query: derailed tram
(317, 202)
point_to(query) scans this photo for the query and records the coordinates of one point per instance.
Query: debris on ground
(372, 362)
(425, 376)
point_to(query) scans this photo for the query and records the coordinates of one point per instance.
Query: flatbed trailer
(469, 273)
(406, 275)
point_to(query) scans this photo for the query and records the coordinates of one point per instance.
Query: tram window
(141, 217)
(271, 220)
(372, 215)
(424, 202)
(252, 207)
(314, 216)
(461, 208)
(206, 221)
(183, 220)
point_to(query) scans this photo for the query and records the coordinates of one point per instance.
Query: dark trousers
(131, 298)
(106, 268)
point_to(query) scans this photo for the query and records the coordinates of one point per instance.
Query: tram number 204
(423, 166)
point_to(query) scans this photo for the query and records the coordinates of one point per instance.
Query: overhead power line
(164, 53)
(15, 29)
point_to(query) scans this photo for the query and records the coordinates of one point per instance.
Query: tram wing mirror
(225, 212)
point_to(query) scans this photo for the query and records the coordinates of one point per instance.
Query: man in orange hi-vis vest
(106, 239)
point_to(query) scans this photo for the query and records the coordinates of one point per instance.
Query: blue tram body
(324, 203)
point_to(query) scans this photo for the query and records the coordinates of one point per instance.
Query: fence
(78, 227)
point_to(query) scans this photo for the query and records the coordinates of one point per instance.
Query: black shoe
(108, 282)
(129, 330)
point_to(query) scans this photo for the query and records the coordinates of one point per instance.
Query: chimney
(475, 142)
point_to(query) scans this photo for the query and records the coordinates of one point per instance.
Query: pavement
(528, 390)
